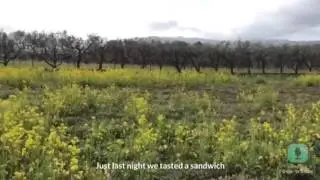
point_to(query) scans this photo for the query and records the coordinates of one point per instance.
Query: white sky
(131, 18)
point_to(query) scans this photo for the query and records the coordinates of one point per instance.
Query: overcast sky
(216, 19)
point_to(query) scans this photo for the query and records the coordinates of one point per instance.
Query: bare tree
(98, 48)
(162, 55)
(53, 49)
(79, 46)
(144, 53)
(56, 48)
(228, 54)
(179, 48)
(33, 45)
(131, 50)
(11, 46)
(260, 55)
(195, 54)
(307, 57)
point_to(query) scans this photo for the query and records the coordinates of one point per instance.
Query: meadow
(59, 125)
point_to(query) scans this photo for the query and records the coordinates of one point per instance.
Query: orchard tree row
(61, 47)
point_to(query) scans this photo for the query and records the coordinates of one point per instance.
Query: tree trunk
(101, 61)
(232, 70)
(231, 65)
(296, 69)
(6, 60)
(198, 69)
(160, 63)
(123, 60)
(216, 64)
(100, 66)
(263, 64)
(281, 67)
(5, 63)
(176, 63)
(79, 60)
(309, 66)
(249, 64)
(160, 66)
(216, 67)
(178, 68)
(184, 64)
(78, 65)
(144, 62)
(195, 65)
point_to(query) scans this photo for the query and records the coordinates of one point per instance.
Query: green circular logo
(298, 153)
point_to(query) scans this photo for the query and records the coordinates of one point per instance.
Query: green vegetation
(308, 80)
(129, 77)
(59, 125)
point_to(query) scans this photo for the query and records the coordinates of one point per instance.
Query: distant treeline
(61, 47)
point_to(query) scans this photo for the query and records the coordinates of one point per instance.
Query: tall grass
(77, 118)
(308, 80)
(59, 134)
(129, 77)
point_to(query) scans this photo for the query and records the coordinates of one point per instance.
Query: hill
(213, 41)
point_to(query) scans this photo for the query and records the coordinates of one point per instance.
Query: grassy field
(59, 125)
